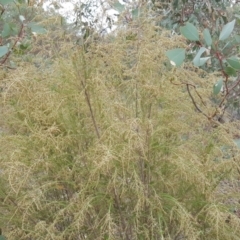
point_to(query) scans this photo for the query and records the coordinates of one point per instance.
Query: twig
(193, 101)
(14, 45)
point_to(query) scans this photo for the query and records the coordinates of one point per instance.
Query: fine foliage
(102, 146)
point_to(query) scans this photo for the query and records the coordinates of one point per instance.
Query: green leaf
(233, 62)
(227, 30)
(6, 30)
(190, 32)
(2, 237)
(3, 50)
(198, 61)
(217, 87)
(14, 28)
(9, 29)
(230, 71)
(202, 61)
(119, 7)
(4, 2)
(207, 37)
(36, 28)
(176, 56)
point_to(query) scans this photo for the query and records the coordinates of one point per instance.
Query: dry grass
(103, 146)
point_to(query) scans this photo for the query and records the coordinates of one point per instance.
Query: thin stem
(194, 103)
(87, 95)
(90, 108)
(14, 45)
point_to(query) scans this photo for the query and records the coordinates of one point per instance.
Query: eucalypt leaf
(190, 32)
(9, 29)
(230, 71)
(35, 28)
(234, 62)
(227, 30)
(217, 87)
(207, 37)
(198, 61)
(3, 50)
(176, 56)
(4, 2)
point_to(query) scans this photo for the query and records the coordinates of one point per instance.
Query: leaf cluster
(216, 58)
(17, 26)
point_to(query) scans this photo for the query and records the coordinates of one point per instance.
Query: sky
(101, 11)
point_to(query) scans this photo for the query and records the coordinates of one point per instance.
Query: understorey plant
(103, 147)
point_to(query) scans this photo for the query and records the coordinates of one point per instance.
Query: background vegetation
(100, 140)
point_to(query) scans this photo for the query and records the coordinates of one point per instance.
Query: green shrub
(103, 146)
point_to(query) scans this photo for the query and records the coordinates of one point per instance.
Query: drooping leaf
(202, 61)
(217, 87)
(3, 51)
(196, 60)
(118, 6)
(207, 37)
(4, 2)
(234, 62)
(230, 71)
(36, 28)
(227, 30)
(190, 32)
(176, 56)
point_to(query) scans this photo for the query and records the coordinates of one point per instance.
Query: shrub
(103, 146)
